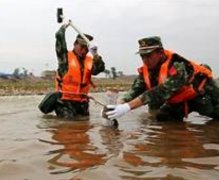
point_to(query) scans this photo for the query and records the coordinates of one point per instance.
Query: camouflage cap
(149, 44)
(82, 41)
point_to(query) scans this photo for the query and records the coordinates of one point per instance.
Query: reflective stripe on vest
(74, 83)
(184, 93)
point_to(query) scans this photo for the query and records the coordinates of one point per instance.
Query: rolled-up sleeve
(138, 87)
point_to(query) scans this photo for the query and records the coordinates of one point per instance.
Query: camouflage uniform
(65, 108)
(156, 97)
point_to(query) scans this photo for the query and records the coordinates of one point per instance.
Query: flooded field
(35, 146)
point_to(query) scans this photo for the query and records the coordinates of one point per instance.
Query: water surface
(34, 146)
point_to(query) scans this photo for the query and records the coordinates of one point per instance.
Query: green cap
(149, 44)
(82, 41)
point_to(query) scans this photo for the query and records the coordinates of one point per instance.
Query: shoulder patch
(172, 71)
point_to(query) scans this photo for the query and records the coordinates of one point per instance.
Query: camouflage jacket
(158, 95)
(62, 52)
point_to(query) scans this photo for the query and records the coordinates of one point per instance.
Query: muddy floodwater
(34, 146)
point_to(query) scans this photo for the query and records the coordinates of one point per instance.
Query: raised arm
(61, 50)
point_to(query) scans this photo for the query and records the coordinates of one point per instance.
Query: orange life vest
(75, 84)
(186, 92)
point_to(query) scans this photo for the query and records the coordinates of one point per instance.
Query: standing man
(73, 79)
(170, 84)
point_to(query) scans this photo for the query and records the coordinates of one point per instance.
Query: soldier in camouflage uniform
(171, 85)
(68, 107)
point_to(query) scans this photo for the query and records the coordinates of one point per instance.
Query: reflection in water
(78, 151)
(172, 147)
(111, 139)
(170, 143)
(151, 150)
(140, 149)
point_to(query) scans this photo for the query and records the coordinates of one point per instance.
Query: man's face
(151, 60)
(81, 50)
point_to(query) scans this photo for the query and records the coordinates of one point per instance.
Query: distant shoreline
(41, 86)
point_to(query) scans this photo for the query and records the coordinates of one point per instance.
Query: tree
(113, 71)
(20, 72)
(25, 72)
(16, 72)
(120, 73)
(107, 73)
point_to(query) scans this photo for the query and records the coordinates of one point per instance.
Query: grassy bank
(36, 85)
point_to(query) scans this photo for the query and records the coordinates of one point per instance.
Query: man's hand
(117, 110)
(106, 121)
(93, 49)
(66, 25)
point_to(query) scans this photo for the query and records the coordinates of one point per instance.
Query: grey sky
(189, 27)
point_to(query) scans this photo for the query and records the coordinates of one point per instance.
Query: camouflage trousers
(204, 105)
(70, 109)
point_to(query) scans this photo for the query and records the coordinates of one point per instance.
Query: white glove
(117, 110)
(93, 49)
(106, 121)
